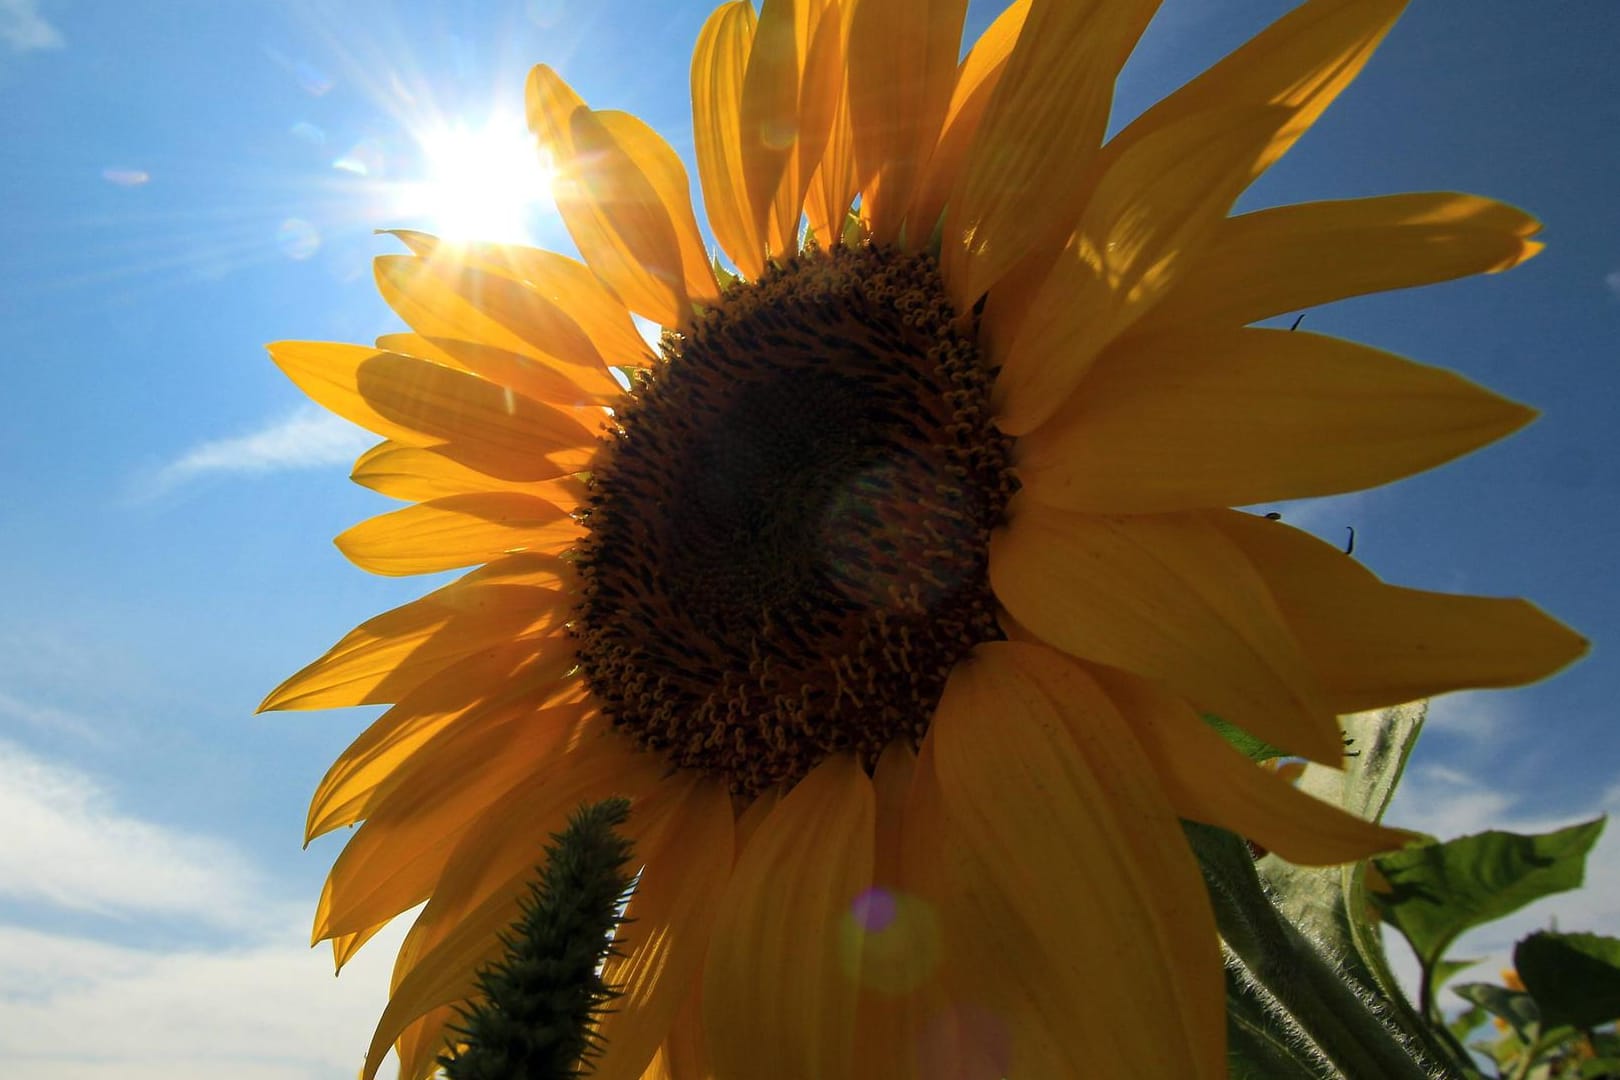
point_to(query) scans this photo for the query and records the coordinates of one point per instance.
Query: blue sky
(186, 180)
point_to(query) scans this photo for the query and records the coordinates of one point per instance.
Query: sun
(481, 183)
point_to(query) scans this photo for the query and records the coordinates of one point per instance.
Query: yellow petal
(646, 151)
(1152, 209)
(346, 946)
(686, 1052)
(821, 84)
(329, 373)
(371, 767)
(833, 185)
(776, 1000)
(1246, 416)
(1295, 257)
(1042, 127)
(418, 474)
(389, 654)
(480, 317)
(1076, 882)
(898, 938)
(473, 421)
(622, 194)
(1373, 645)
(686, 864)
(902, 68)
(393, 862)
(1301, 62)
(489, 872)
(718, 64)
(567, 283)
(975, 82)
(1210, 780)
(1170, 598)
(421, 1044)
(771, 87)
(456, 531)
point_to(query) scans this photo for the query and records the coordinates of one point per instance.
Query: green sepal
(1253, 747)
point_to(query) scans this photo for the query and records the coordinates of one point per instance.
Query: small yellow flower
(892, 589)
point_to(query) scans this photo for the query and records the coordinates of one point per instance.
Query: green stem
(1345, 1025)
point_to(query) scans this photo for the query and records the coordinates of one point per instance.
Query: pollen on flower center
(788, 529)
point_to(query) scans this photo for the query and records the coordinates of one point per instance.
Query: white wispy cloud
(24, 29)
(1480, 715)
(1612, 280)
(306, 439)
(264, 1007)
(85, 1010)
(67, 844)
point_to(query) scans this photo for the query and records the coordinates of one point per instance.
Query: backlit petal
(687, 862)
(902, 68)
(618, 194)
(1248, 416)
(1077, 884)
(975, 83)
(1301, 62)
(718, 64)
(1372, 644)
(460, 530)
(566, 282)
(478, 894)
(1290, 258)
(419, 474)
(1152, 209)
(1170, 598)
(393, 862)
(1210, 780)
(776, 998)
(1042, 126)
(478, 423)
(398, 649)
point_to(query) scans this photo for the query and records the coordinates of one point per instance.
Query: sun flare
(483, 183)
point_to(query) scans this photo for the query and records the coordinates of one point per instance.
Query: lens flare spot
(364, 158)
(874, 909)
(890, 941)
(298, 239)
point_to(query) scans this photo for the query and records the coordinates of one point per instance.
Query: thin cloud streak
(24, 29)
(307, 439)
(47, 719)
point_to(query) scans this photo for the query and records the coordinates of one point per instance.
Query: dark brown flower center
(788, 529)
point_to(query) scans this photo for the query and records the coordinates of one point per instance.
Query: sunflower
(895, 588)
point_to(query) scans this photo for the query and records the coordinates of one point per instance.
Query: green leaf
(1255, 749)
(1464, 1023)
(1596, 1068)
(1445, 969)
(1437, 892)
(1575, 978)
(1515, 1006)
